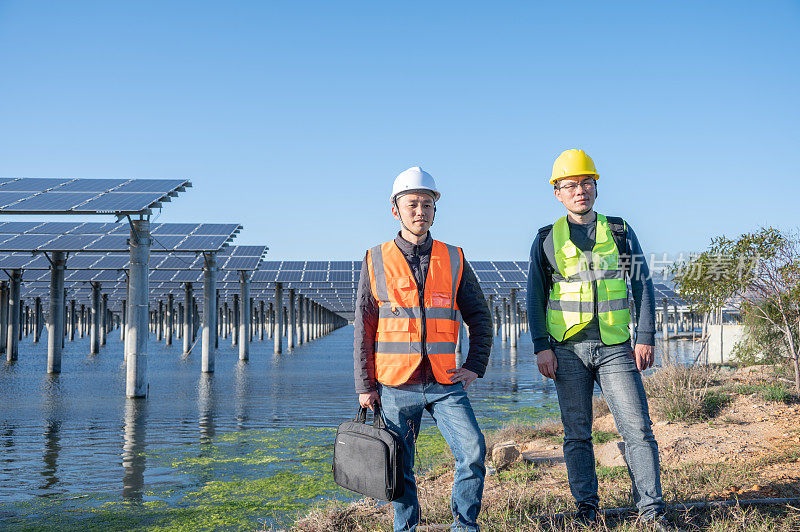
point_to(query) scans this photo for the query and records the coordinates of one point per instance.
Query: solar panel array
(111, 237)
(86, 196)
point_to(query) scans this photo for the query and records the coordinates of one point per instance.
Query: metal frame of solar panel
(31, 195)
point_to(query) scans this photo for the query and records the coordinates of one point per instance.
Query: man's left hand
(644, 356)
(463, 376)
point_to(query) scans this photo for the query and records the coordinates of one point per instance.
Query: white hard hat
(415, 179)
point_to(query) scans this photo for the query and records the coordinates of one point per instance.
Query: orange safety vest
(398, 341)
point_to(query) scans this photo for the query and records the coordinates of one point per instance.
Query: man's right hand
(546, 360)
(368, 399)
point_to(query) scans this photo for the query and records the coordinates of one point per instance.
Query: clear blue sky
(292, 118)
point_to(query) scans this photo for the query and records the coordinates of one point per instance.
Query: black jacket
(469, 299)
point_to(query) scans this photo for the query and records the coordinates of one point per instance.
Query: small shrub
(599, 406)
(713, 402)
(774, 392)
(777, 393)
(680, 391)
(603, 436)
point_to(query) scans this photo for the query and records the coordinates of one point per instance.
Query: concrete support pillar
(72, 320)
(103, 318)
(55, 321)
(3, 315)
(225, 320)
(261, 320)
(217, 311)
(179, 320)
(271, 321)
(170, 319)
(291, 330)
(209, 311)
(37, 319)
(188, 311)
(306, 319)
(244, 327)
(251, 326)
(14, 304)
(503, 320)
(675, 318)
(160, 321)
(94, 328)
(300, 320)
(514, 318)
(278, 318)
(234, 320)
(138, 309)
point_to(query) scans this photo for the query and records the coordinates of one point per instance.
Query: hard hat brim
(434, 194)
(554, 180)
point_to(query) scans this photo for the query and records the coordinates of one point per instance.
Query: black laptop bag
(368, 459)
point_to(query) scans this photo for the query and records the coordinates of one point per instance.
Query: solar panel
(285, 277)
(315, 276)
(338, 276)
(293, 265)
(162, 186)
(54, 201)
(487, 276)
(316, 265)
(516, 276)
(15, 261)
(108, 262)
(97, 228)
(247, 251)
(505, 265)
(161, 275)
(7, 199)
(172, 229)
(201, 243)
(109, 243)
(90, 185)
(262, 276)
(68, 242)
(25, 242)
(479, 265)
(118, 202)
(242, 263)
(48, 228)
(218, 229)
(32, 184)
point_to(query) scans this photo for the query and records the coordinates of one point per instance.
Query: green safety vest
(586, 284)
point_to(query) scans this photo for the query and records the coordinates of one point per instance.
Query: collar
(411, 249)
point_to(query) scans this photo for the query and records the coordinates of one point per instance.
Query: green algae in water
(235, 482)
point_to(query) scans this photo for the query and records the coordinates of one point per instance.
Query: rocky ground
(748, 449)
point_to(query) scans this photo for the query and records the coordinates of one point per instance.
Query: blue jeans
(401, 408)
(580, 365)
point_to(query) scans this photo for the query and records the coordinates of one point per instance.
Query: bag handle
(377, 420)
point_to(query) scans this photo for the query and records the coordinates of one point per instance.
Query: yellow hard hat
(573, 163)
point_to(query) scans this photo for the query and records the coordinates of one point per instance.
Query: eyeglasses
(572, 187)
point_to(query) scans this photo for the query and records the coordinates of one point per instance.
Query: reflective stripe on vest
(578, 276)
(398, 340)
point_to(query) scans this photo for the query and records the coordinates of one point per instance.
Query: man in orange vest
(410, 294)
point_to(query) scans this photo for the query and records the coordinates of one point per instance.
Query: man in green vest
(580, 322)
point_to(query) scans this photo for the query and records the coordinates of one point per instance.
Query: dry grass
(680, 393)
(599, 406)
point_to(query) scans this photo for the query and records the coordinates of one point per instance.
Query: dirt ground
(753, 444)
